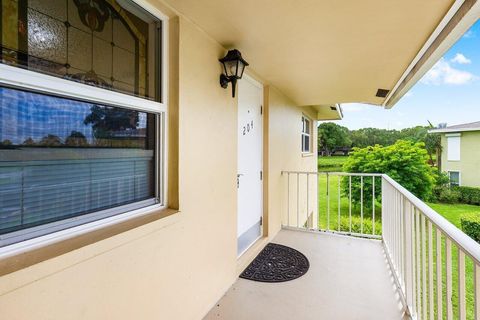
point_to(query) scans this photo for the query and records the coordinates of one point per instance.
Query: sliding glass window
(73, 157)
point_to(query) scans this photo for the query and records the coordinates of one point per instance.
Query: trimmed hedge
(469, 195)
(446, 195)
(471, 225)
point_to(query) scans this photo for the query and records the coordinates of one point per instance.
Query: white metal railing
(435, 265)
(428, 255)
(335, 202)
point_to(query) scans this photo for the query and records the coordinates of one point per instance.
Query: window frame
(34, 81)
(306, 134)
(459, 177)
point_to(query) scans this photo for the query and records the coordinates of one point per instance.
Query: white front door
(250, 163)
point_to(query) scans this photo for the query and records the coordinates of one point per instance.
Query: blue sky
(449, 92)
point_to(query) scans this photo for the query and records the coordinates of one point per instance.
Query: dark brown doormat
(276, 263)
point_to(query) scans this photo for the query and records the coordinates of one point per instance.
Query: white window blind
(453, 148)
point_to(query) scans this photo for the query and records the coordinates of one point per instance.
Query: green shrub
(356, 225)
(447, 195)
(404, 161)
(471, 225)
(469, 195)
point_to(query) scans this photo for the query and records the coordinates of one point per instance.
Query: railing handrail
(334, 173)
(462, 240)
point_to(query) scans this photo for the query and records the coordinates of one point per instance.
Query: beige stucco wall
(285, 154)
(469, 163)
(179, 266)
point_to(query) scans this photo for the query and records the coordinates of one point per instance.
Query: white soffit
(322, 52)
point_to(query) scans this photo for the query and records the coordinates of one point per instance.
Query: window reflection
(35, 120)
(61, 158)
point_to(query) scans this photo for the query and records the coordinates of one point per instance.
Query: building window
(84, 147)
(306, 135)
(453, 147)
(103, 43)
(454, 178)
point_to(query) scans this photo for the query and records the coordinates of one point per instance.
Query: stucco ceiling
(321, 52)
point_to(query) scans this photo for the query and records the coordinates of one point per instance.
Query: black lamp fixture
(233, 65)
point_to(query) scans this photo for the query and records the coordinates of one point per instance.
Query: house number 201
(248, 127)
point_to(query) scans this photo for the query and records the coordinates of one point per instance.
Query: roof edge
(447, 130)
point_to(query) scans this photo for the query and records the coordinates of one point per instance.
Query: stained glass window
(105, 43)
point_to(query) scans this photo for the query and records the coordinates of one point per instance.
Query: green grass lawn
(453, 212)
(331, 164)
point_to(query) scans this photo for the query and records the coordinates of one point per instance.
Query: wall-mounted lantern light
(233, 65)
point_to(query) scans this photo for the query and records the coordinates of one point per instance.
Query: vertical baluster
(288, 199)
(462, 307)
(424, 270)
(317, 196)
(307, 225)
(398, 227)
(339, 205)
(395, 228)
(402, 239)
(419, 263)
(328, 202)
(476, 284)
(408, 256)
(298, 199)
(373, 205)
(350, 201)
(361, 204)
(392, 226)
(430, 270)
(448, 270)
(414, 260)
(439, 276)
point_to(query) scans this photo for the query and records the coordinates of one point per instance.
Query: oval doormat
(276, 263)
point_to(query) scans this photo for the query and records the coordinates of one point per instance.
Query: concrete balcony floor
(349, 278)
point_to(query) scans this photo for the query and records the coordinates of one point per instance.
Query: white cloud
(443, 73)
(461, 59)
(408, 94)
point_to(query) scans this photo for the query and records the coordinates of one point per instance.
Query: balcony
(386, 255)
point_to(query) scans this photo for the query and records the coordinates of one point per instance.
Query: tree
(404, 161)
(107, 120)
(433, 144)
(331, 135)
(365, 137)
(6, 143)
(29, 142)
(50, 140)
(76, 139)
